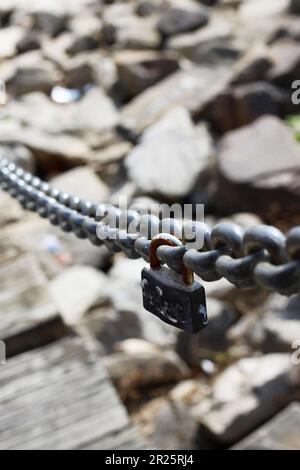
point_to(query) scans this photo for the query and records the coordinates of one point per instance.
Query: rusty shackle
(165, 239)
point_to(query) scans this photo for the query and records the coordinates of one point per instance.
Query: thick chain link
(258, 256)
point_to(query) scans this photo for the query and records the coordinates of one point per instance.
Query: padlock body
(166, 296)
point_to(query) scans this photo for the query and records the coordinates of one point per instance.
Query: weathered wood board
(281, 433)
(59, 397)
(28, 316)
(127, 439)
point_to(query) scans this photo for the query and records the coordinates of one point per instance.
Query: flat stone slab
(281, 433)
(60, 397)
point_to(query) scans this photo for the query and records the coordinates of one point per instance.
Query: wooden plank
(281, 433)
(59, 397)
(28, 317)
(127, 439)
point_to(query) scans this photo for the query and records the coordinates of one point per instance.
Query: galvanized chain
(258, 256)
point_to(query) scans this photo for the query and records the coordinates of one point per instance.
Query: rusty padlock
(174, 298)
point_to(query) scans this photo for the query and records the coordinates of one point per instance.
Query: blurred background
(159, 101)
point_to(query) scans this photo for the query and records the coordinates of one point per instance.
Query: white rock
(147, 368)
(279, 326)
(168, 424)
(126, 296)
(193, 89)
(94, 111)
(246, 394)
(77, 290)
(133, 347)
(44, 145)
(82, 182)
(256, 9)
(10, 210)
(171, 156)
(9, 38)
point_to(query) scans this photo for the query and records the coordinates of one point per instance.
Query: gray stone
(82, 252)
(126, 297)
(253, 66)
(126, 190)
(48, 23)
(30, 42)
(131, 372)
(82, 44)
(95, 111)
(128, 31)
(288, 29)
(135, 347)
(246, 219)
(181, 17)
(169, 425)
(10, 210)
(242, 105)
(55, 249)
(113, 153)
(193, 89)
(82, 182)
(146, 7)
(45, 146)
(246, 394)
(274, 155)
(194, 348)
(36, 110)
(30, 77)
(55, 7)
(87, 30)
(6, 10)
(79, 73)
(19, 155)
(76, 290)
(202, 46)
(110, 327)
(255, 9)
(279, 326)
(87, 26)
(190, 392)
(286, 58)
(90, 67)
(138, 70)
(55, 49)
(179, 152)
(9, 38)
(268, 129)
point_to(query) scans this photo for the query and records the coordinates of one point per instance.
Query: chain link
(258, 256)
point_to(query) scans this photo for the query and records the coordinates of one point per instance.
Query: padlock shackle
(188, 275)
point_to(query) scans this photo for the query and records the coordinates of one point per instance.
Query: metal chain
(258, 256)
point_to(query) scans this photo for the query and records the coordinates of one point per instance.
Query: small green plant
(294, 123)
